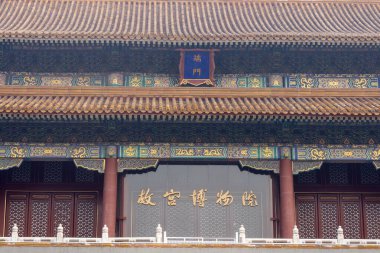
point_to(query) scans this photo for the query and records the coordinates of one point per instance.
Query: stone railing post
(241, 234)
(296, 235)
(105, 237)
(340, 235)
(165, 238)
(14, 235)
(159, 234)
(60, 233)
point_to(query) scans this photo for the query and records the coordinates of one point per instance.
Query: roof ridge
(227, 1)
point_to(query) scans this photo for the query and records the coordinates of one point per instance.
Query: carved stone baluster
(241, 234)
(14, 236)
(60, 233)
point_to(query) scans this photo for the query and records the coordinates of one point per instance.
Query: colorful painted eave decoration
(336, 153)
(148, 80)
(186, 151)
(205, 151)
(331, 81)
(50, 151)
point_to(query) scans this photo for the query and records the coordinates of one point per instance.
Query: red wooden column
(287, 199)
(110, 195)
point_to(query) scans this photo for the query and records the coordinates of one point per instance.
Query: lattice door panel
(351, 216)
(307, 222)
(63, 213)
(86, 215)
(328, 216)
(17, 213)
(40, 213)
(371, 217)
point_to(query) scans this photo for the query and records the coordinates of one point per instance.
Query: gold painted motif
(79, 152)
(249, 199)
(213, 152)
(148, 81)
(306, 83)
(197, 71)
(285, 152)
(197, 58)
(244, 152)
(158, 82)
(130, 151)
(184, 152)
(376, 154)
(136, 81)
(56, 82)
(333, 84)
(224, 198)
(171, 197)
(317, 154)
(145, 198)
(267, 152)
(30, 80)
(111, 151)
(360, 83)
(189, 82)
(17, 152)
(348, 153)
(48, 151)
(154, 151)
(255, 82)
(84, 81)
(199, 197)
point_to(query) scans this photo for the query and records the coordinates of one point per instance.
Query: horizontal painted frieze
(143, 80)
(185, 151)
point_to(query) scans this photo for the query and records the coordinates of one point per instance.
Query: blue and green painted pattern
(59, 80)
(210, 151)
(336, 153)
(332, 81)
(51, 151)
(162, 80)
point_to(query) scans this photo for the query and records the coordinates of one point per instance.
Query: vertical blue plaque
(197, 67)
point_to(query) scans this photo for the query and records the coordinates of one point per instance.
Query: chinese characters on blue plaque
(197, 67)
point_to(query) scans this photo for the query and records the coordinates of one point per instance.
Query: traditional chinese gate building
(198, 115)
